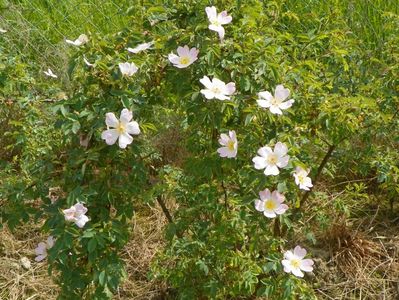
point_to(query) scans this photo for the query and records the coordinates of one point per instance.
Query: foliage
(343, 80)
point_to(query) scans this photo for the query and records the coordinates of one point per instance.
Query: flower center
(301, 178)
(230, 145)
(295, 263)
(121, 128)
(184, 60)
(275, 102)
(215, 22)
(272, 159)
(270, 204)
(215, 90)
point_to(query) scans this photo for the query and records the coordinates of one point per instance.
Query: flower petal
(271, 170)
(110, 136)
(259, 162)
(111, 120)
(281, 93)
(300, 252)
(133, 128)
(126, 116)
(124, 140)
(259, 205)
(280, 149)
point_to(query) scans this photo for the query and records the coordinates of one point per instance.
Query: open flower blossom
(185, 57)
(271, 160)
(141, 47)
(76, 214)
(216, 88)
(229, 143)
(81, 40)
(217, 20)
(275, 103)
(295, 263)
(41, 249)
(127, 69)
(271, 204)
(50, 73)
(302, 179)
(120, 129)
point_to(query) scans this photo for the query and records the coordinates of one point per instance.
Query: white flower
(127, 69)
(275, 103)
(50, 73)
(120, 129)
(302, 179)
(76, 214)
(271, 204)
(185, 57)
(81, 40)
(217, 88)
(87, 62)
(2, 30)
(217, 20)
(229, 143)
(294, 263)
(41, 249)
(141, 47)
(271, 160)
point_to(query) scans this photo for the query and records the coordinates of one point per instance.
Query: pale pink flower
(76, 214)
(185, 57)
(272, 160)
(275, 103)
(295, 263)
(41, 249)
(271, 204)
(120, 129)
(140, 47)
(81, 40)
(217, 20)
(302, 179)
(216, 88)
(128, 69)
(229, 143)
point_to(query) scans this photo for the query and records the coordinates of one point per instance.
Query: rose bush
(218, 244)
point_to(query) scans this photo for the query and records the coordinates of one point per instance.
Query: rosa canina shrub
(239, 207)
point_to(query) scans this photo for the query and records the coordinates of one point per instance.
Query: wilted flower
(271, 204)
(302, 179)
(217, 88)
(275, 103)
(185, 57)
(41, 249)
(127, 69)
(271, 160)
(87, 62)
(217, 20)
(229, 143)
(294, 263)
(50, 73)
(120, 129)
(81, 40)
(140, 47)
(76, 214)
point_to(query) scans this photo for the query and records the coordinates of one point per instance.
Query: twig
(305, 196)
(165, 209)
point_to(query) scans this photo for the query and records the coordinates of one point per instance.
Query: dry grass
(18, 283)
(362, 263)
(363, 266)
